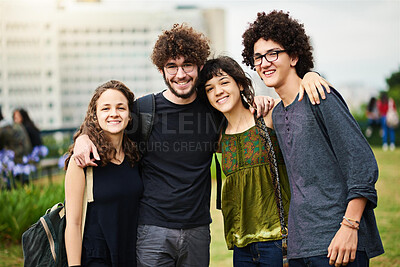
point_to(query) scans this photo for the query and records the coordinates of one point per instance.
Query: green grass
(387, 213)
(388, 210)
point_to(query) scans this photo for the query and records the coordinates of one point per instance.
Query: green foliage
(360, 114)
(393, 83)
(394, 92)
(23, 206)
(394, 79)
(57, 148)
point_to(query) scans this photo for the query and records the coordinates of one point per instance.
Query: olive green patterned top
(248, 199)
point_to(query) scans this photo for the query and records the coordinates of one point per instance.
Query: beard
(177, 94)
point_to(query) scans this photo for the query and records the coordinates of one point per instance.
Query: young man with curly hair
(331, 167)
(175, 207)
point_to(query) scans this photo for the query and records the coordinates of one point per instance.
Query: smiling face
(276, 73)
(182, 84)
(223, 93)
(112, 112)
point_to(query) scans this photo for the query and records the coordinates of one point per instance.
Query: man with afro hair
(331, 167)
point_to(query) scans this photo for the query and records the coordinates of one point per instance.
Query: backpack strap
(220, 123)
(87, 195)
(144, 108)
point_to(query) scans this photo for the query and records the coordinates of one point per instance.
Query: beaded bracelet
(351, 226)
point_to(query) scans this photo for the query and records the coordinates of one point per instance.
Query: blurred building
(55, 53)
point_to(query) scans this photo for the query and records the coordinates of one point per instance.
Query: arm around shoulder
(82, 148)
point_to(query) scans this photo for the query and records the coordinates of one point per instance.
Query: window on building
(50, 105)
(67, 118)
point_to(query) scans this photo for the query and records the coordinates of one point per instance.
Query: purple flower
(61, 161)
(18, 169)
(35, 151)
(6, 156)
(10, 165)
(9, 154)
(27, 169)
(43, 151)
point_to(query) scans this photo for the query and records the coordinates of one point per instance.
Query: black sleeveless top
(111, 220)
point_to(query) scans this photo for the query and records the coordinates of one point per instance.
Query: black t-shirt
(176, 166)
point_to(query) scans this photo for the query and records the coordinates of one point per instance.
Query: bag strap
(87, 195)
(263, 132)
(219, 181)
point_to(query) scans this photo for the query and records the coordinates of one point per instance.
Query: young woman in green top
(249, 207)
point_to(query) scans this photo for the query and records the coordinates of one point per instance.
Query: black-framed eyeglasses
(270, 56)
(172, 69)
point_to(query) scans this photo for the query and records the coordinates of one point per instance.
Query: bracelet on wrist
(350, 219)
(350, 226)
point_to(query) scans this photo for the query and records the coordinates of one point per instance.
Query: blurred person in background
(384, 104)
(372, 114)
(14, 137)
(21, 116)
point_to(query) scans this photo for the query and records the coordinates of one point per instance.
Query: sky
(356, 43)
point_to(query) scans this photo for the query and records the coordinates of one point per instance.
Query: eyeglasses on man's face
(270, 56)
(172, 69)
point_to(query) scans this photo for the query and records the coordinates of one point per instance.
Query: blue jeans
(260, 254)
(387, 132)
(322, 261)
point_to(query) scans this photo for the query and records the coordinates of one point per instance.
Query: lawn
(387, 212)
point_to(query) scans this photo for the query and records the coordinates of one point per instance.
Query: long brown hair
(91, 127)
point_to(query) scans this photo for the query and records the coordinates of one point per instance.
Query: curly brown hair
(91, 127)
(214, 67)
(280, 28)
(181, 40)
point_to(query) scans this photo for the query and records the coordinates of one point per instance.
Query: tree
(393, 83)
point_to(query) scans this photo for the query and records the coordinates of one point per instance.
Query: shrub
(23, 206)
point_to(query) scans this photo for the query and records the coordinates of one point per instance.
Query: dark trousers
(258, 254)
(322, 261)
(159, 246)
